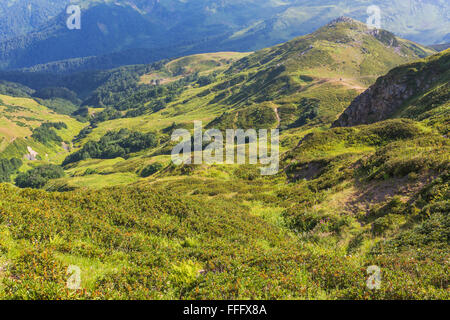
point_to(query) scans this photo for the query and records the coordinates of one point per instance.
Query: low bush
(39, 176)
(151, 169)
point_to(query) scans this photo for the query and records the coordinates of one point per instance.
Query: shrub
(247, 172)
(114, 144)
(38, 177)
(36, 274)
(8, 167)
(151, 169)
(45, 133)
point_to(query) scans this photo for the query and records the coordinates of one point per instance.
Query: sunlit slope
(310, 79)
(20, 116)
(200, 63)
(195, 235)
(296, 87)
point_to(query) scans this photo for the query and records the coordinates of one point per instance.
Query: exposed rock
(31, 155)
(390, 93)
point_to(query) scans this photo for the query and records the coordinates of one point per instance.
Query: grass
(344, 199)
(336, 72)
(20, 116)
(98, 181)
(200, 63)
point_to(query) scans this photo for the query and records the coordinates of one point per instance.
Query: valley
(38, 39)
(363, 117)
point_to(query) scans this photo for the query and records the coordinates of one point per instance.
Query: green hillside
(21, 117)
(302, 84)
(346, 197)
(320, 74)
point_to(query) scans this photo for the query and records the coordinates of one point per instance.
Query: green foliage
(419, 90)
(39, 176)
(151, 169)
(14, 89)
(399, 159)
(57, 92)
(137, 233)
(430, 209)
(255, 117)
(247, 172)
(36, 275)
(8, 167)
(309, 221)
(345, 198)
(45, 133)
(113, 145)
(59, 105)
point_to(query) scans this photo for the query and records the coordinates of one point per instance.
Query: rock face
(378, 103)
(31, 155)
(387, 97)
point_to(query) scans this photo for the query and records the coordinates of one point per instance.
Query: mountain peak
(343, 19)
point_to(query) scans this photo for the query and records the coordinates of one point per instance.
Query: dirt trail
(346, 82)
(275, 109)
(278, 117)
(363, 195)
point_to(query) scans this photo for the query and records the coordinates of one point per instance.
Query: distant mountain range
(34, 33)
(440, 47)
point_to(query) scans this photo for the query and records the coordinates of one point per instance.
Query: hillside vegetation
(310, 79)
(26, 123)
(373, 192)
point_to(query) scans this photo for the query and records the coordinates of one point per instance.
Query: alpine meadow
(136, 139)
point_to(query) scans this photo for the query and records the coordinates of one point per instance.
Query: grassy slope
(19, 116)
(369, 195)
(344, 59)
(323, 71)
(202, 63)
(310, 239)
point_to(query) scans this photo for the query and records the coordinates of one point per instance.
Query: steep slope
(419, 90)
(19, 17)
(344, 199)
(340, 59)
(295, 86)
(28, 128)
(422, 21)
(150, 243)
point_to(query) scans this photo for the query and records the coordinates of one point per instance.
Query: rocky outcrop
(386, 98)
(31, 155)
(377, 103)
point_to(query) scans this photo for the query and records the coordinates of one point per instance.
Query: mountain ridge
(115, 208)
(156, 30)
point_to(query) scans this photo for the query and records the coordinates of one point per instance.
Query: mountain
(419, 90)
(287, 83)
(23, 126)
(156, 30)
(440, 47)
(20, 17)
(303, 83)
(293, 78)
(115, 209)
